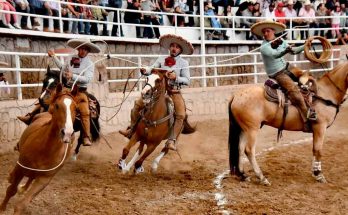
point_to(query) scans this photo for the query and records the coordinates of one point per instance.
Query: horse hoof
(21, 189)
(265, 182)
(153, 170)
(320, 178)
(74, 157)
(139, 170)
(121, 164)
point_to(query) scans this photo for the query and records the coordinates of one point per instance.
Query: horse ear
(59, 88)
(74, 91)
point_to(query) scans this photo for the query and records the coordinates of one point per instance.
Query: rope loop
(325, 54)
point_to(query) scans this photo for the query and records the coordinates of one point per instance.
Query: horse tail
(233, 141)
(95, 125)
(188, 128)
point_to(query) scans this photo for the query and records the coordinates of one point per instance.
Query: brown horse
(155, 123)
(249, 110)
(43, 148)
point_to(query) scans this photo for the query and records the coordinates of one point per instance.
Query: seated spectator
(5, 5)
(214, 22)
(97, 14)
(37, 7)
(3, 81)
(257, 11)
(117, 18)
(185, 9)
(148, 5)
(65, 14)
(279, 13)
(322, 23)
(167, 6)
(75, 14)
(22, 6)
(247, 22)
(85, 13)
(290, 12)
(269, 12)
(105, 3)
(53, 10)
(180, 19)
(309, 20)
(134, 17)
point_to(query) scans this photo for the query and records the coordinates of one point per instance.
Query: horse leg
(23, 188)
(240, 170)
(15, 178)
(158, 159)
(250, 138)
(38, 185)
(122, 162)
(77, 149)
(135, 157)
(318, 140)
(138, 165)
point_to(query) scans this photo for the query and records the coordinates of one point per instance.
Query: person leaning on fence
(180, 76)
(3, 81)
(72, 72)
(276, 66)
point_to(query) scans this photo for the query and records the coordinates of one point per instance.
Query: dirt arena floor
(93, 185)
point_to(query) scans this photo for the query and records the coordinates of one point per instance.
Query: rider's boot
(135, 115)
(178, 125)
(29, 116)
(85, 121)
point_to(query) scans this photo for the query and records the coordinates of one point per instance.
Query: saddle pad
(274, 95)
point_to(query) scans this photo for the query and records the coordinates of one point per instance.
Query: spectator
(134, 17)
(167, 6)
(343, 20)
(321, 12)
(65, 13)
(105, 3)
(179, 19)
(116, 4)
(185, 9)
(279, 13)
(269, 12)
(22, 6)
(257, 11)
(247, 22)
(53, 10)
(342, 38)
(97, 14)
(3, 81)
(291, 14)
(85, 13)
(75, 13)
(148, 5)
(213, 22)
(37, 7)
(309, 18)
(5, 5)
(335, 21)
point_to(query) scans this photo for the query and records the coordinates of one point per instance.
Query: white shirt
(5, 89)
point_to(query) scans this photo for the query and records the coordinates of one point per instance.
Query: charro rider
(71, 70)
(277, 68)
(180, 76)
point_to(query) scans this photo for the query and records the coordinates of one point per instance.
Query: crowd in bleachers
(280, 11)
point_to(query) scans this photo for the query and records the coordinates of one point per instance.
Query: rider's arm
(86, 77)
(184, 77)
(148, 69)
(267, 50)
(298, 49)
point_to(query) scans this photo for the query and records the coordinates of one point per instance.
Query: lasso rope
(325, 54)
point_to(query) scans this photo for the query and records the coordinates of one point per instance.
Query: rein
(46, 170)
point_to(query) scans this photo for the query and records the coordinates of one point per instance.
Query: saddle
(275, 93)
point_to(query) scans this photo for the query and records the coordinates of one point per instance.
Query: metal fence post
(140, 83)
(255, 69)
(60, 18)
(18, 77)
(215, 72)
(201, 17)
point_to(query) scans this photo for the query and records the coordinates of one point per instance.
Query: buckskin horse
(43, 148)
(155, 124)
(249, 110)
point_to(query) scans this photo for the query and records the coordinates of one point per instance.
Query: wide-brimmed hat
(3, 63)
(290, 2)
(77, 43)
(307, 2)
(258, 27)
(168, 39)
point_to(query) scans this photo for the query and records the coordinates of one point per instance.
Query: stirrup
(312, 115)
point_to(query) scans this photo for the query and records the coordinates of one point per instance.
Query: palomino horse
(249, 110)
(49, 83)
(43, 148)
(155, 123)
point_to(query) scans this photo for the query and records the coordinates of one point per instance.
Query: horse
(43, 149)
(249, 111)
(49, 83)
(155, 124)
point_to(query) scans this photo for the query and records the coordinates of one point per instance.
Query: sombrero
(258, 27)
(3, 63)
(168, 39)
(76, 43)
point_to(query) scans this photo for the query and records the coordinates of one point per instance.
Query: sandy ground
(92, 184)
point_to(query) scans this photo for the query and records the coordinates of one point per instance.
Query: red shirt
(278, 13)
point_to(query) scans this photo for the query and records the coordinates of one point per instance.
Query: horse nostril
(62, 132)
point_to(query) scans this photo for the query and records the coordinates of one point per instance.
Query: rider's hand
(289, 49)
(143, 71)
(68, 74)
(171, 75)
(51, 53)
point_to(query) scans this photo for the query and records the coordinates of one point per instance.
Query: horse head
(154, 86)
(63, 109)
